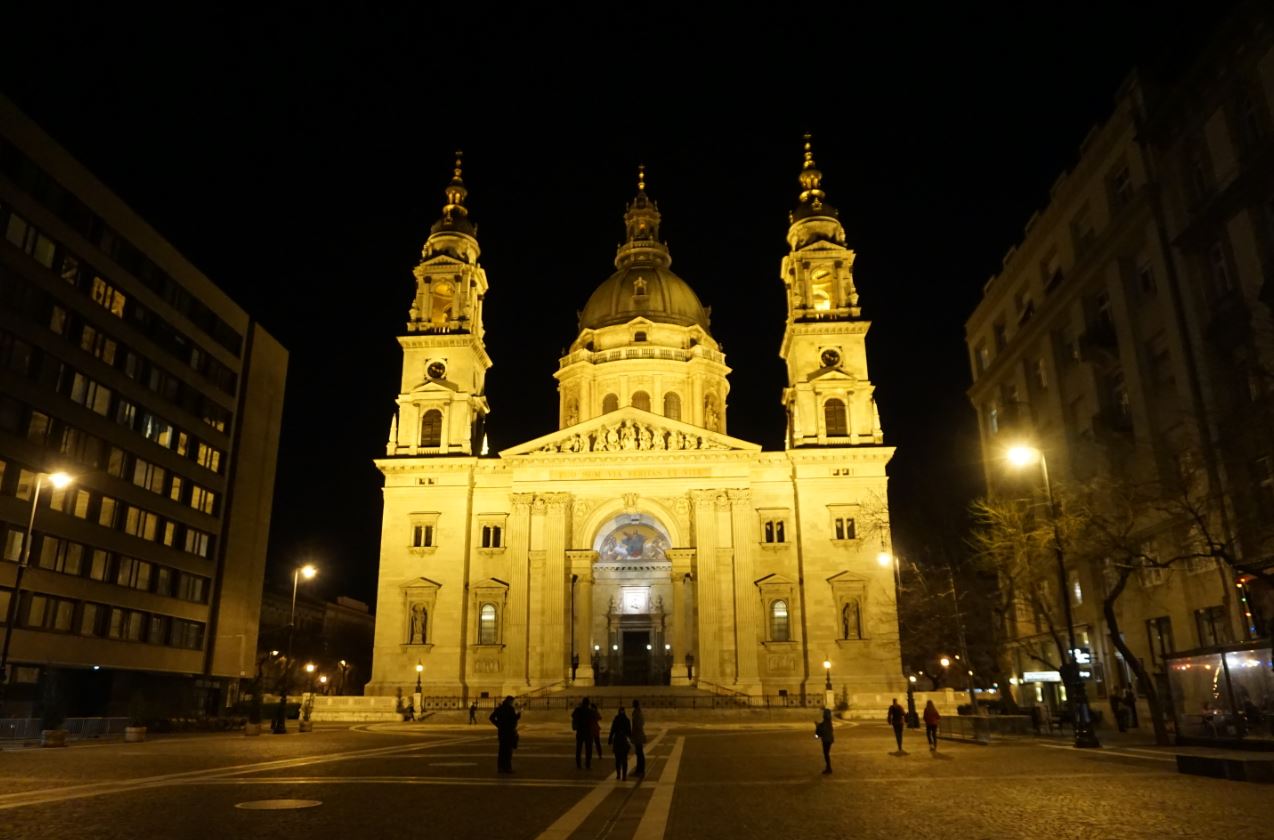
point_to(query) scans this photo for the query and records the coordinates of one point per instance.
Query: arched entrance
(632, 599)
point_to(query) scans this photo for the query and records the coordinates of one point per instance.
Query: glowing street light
(944, 662)
(60, 481)
(280, 726)
(420, 670)
(1022, 456)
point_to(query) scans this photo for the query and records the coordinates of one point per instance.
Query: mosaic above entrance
(637, 542)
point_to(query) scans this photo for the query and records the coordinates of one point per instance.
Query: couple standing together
(586, 720)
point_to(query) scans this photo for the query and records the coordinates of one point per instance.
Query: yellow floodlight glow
(1022, 455)
(60, 480)
(308, 571)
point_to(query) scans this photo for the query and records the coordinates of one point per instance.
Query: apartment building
(1130, 328)
(124, 366)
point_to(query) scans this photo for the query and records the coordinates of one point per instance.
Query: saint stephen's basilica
(639, 543)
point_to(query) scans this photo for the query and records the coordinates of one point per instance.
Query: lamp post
(60, 481)
(280, 726)
(1085, 736)
(829, 694)
(420, 690)
(344, 670)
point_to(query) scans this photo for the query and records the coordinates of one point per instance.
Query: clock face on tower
(831, 358)
(436, 370)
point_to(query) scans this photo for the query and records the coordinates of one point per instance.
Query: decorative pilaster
(518, 619)
(708, 663)
(743, 523)
(555, 657)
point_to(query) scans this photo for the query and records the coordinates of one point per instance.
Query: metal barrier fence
(568, 701)
(28, 729)
(983, 729)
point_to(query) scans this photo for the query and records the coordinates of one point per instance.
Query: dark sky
(298, 157)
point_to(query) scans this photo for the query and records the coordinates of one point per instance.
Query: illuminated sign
(1042, 676)
(1083, 656)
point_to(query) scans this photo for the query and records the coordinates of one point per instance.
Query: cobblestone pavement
(705, 780)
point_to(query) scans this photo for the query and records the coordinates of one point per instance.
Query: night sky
(298, 158)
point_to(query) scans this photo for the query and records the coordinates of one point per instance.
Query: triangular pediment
(775, 579)
(435, 385)
(847, 578)
(831, 374)
(420, 583)
(630, 431)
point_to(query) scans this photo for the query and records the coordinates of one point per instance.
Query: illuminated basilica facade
(638, 543)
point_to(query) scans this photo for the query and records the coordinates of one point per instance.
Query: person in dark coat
(621, 731)
(582, 724)
(827, 735)
(931, 724)
(505, 719)
(1130, 703)
(639, 738)
(473, 712)
(595, 726)
(1118, 713)
(897, 718)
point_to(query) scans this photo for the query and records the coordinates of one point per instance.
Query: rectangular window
(197, 542)
(192, 588)
(100, 565)
(106, 512)
(13, 545)
(208, 457)
(112, 300)
(843, 528)
(157, 630)
(1209, 623)
(57, 320)
(90, 620)
(773, 531)
(492, 536)
(203, 499)
(174, 490)
(148, 475)
(1159, 631)
(422, 536)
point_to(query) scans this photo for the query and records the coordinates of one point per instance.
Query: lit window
(487, 626)
(780, 624)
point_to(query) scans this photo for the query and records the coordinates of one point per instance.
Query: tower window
(431, 428)
(641, 400)
(834, 415)
(639, 336)
(488, 630)
(610, 403)
(772, 531)
(843, 526)
(672, 406)
(422, 536)
(780, 622)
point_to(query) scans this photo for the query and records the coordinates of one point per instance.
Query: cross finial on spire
(809, 152)
(641, 177)
(460, 161)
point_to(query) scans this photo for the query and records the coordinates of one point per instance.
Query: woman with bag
(621, 731)
(931, 724)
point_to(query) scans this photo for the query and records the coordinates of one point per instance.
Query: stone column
(708, 660)
(681, 634)
(581, 564)
(555, 659)
(517, 616)
(747, 609)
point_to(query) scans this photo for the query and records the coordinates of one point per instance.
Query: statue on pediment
(658, 439)
(629, 436)
(612, 439)
(644, 439)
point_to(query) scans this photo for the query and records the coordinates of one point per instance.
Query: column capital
(741, 497)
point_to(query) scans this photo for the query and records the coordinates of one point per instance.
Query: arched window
(780, 623)
(851, 625)
(431, 428)
(641, 400)
(834, 415)
(672, 406)
(610, 403)
(487, 630)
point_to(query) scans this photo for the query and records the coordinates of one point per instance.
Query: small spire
(809, 153)
(641, 177)
(812, 198)
(456, 192)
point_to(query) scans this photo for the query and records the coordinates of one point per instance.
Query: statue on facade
(710, 417)
(612, 439)
(418, 615)
(659, 440)
(644, 441)
(629, 436)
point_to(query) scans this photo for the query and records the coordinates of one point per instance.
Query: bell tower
(828, 397)
(442, 404)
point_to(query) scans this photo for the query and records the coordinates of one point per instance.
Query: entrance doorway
(635, 652)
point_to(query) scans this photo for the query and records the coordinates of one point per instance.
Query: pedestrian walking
(639, 738)
(897, 718)
(473, 713)
(595, 727)
(621, 732)
(1118, 713)
(582, 725)
(823, 731)
(931, 725)
(505, 719)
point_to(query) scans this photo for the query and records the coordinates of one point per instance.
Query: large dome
(643, 291)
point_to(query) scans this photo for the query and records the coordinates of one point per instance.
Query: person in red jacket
(931, 724)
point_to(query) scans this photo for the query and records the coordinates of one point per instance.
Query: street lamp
(418, 697)
(344, 670)
(323, 683)
(1022, 456)
(60, 481)
(420, 670)
(944, 662)
(280, 726)
(829, 695)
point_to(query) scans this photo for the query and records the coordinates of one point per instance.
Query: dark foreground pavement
(709, 780)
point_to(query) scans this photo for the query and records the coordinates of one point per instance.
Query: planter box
(134, 734)
(252, 729)
(53, 737)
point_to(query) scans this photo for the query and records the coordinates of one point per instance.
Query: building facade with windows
(125, 367)
(639, 543)
(1126, 336)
